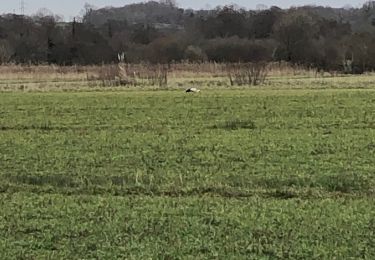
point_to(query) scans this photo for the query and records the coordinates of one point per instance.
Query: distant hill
(150, 12)
(164, 15)
(362, 19)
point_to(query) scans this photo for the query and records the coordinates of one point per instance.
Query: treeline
(160, 32)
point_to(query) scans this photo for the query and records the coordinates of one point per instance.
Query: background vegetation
(160, 32)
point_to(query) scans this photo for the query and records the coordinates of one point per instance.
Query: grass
(229, 174)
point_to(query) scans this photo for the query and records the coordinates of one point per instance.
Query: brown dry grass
(212, 69)
(181, 75)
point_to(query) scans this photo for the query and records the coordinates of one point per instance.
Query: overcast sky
(70, 8)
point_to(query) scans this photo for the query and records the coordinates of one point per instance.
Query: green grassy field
(225, 174)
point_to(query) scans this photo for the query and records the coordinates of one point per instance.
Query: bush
(195, 54)
(251, 74)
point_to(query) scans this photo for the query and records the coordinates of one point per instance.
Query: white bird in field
(192, 90)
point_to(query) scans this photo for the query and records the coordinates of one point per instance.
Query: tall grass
(174, 75)
(124, 74)
(184, 69)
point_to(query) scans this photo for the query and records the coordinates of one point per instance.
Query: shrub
(251, 74)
